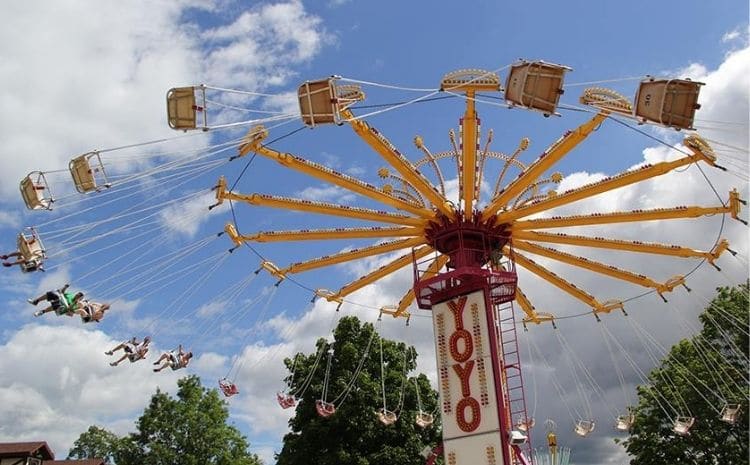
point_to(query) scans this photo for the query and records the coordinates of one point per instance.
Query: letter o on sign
(468, 344)
(476, 416)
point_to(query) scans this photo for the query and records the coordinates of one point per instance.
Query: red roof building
(36, 453)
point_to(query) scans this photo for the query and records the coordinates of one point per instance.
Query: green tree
(702, 372)
(96, 442)
(190, 429)
(353, 435)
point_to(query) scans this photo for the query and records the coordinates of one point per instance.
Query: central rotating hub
(468, 243)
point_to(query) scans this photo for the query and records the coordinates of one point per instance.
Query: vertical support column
(475, 427)
(469, 144)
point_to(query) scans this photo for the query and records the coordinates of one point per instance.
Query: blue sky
(78, 78)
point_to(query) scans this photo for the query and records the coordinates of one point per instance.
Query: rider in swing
(61, 302)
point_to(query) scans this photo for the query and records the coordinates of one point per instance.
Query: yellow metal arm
(732, 208)
(325, 208)
(323, 173)
(328, 234)
(431, 270)
(591, 265)
(554, 279)
(554, 153)
(605, 185)
(383, 271)
(616, 244)
(532, 316)
(468, 160)
(355, 254)
(391, 155)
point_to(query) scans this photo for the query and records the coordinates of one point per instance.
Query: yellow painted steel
(733, 208)
(469, 162)
(532, 316)
(272, 269)
(554, 153)
(554, 279)
(390, 154)
(605, 185)
(383, 271)
(330, 234)
(433, 269)
(326, 174)
(616, 244)
(393, 311)
(355, 254)
(325, 208)
(590, 265)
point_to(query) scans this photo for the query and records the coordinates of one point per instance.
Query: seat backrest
(181, 108)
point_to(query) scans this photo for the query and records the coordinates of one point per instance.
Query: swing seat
(584, 427)
(32, 251)
(322, 101)
(524, 426)
(424, 419)
(386, 417)
(182, 109)
(285, 400)
(35, 191)
(228, 388)
(669, 102)
(85, 175)
(535, 85)
(682, 425)
(324, 409)
(730, 413)
(624, 422)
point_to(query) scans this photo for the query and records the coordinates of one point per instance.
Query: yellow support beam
(617, 244)
(318, 171)
(384, 270)
(469, 147)
(325, 208)
(408, 298)
(355, 254)
(591, 265)
(553, 279)
(545, 161)
(605, 185)
(626, 217)
(331, 234)
(393, 157)
(532, 316)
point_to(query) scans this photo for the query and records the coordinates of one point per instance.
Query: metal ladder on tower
(515, 399)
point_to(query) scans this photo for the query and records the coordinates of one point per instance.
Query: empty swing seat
(285, 400)
(424, 419)
(182, 109)
(730, 413)
(682, 425)
(536, 85)
(624, 422)
(85, 175)
(386, 417)
(35, 192)
(584, 427)
(228, 388)
(669, 102)
(524, 426)
(324, 409)
(322, 101)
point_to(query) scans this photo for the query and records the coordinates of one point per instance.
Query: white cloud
(53, 372)
(327, 194)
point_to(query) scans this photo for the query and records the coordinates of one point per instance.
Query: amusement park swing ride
(465, 253)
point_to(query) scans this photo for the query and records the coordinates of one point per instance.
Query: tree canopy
(190, 429)
(353, 435)
(701, 374)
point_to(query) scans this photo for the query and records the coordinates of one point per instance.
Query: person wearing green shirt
(61, 301)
